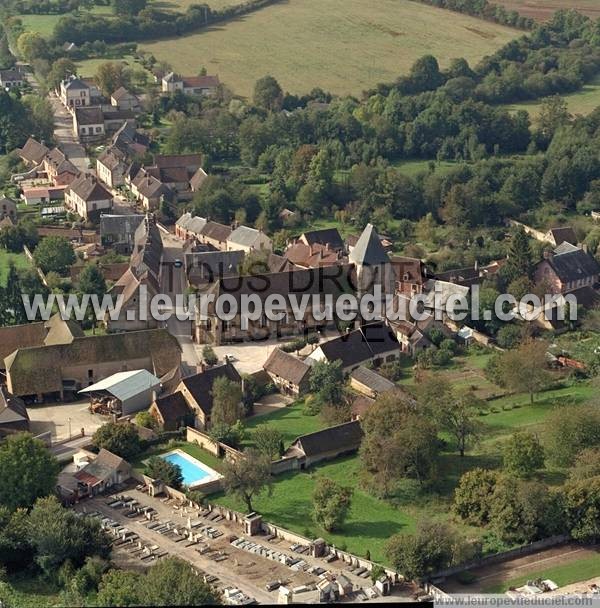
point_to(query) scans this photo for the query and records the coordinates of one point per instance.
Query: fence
(505, 556)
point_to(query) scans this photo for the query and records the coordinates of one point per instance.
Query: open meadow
(542, 10)
(6, 258)
(582, 102)
(343, 46)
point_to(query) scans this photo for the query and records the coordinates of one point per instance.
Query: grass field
(343, 46)
(563, 574)
(290, 421)
(18, 259)
(183, 5)
(370, 522)
(43, 24)
(87, 68)
(583, 102)
(542, 10)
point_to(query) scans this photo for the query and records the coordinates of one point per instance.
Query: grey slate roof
(376, 382)
(345, 436)
(123, 226)
(245, 236)
(368, 249)
(286, 366)
(574, 265)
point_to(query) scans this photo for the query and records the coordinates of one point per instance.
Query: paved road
(173, 283)
(63, 133)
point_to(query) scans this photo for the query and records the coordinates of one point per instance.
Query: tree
(523, 369)
(473, 496)
(268, 440)
(268, 94)
(247, 476)
(227, 402)
(92, 282)
(168, 472)
(519, 263)
(120, 439)
(27, 469)
(433, 547)
(209, 355)
(146, 419)
(458, 416)
(523, 454)
(331, 502)
(553, 114)
(399, 442)
(112, 75)
(570, 428)
(54, 254)
(57, 535)
(120, 588)
(41, 116)
(524, 511)
(61, 69)
(582, 505)
(128, 8)
(175, 582)
(32, 45)
(586, 465)
(327, 382)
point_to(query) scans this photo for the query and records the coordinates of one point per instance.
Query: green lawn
(370, 522)
(43, 24)
(290, 421)
(18, 259)
(565, 574)
(582, 102)
(343, 46)
(412, 168)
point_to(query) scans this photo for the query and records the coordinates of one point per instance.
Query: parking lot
(145, 528)
(64, 420)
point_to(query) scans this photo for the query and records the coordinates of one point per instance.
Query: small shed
(123, 393)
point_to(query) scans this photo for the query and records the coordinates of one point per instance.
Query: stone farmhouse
(196, 86)
(87, 197)
(290, 374)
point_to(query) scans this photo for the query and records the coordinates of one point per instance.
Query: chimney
(310, 250)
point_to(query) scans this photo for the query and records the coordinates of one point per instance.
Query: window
(98, 129)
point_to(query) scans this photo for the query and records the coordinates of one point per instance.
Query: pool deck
(211, 474)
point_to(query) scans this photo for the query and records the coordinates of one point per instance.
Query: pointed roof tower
(368, 249)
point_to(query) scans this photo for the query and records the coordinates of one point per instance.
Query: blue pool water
(192, 472)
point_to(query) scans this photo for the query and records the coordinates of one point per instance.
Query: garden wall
(216, 448)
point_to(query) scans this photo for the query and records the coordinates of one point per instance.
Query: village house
(323, 237)
(111, 166)
(171, 412)
(140, 282)
(410, 275)
(369, 382)
(118, 231)
(74, 93)
(289, 373)
(124, 100)
(150, 191)
(102, 473)
(328, 444)
(59, 370)
(313, 256)
(8, 209)
(567, 268)
(43, 195)
(196, 86)
(197, 392)
(315, 283)
(374, 343)
(130, 141)
(32, 153)
(87, 197)
(410, 338)
(88, 123)
(13, 414)
(58, 168)
(248, 239)
(189, 227)
(12, 78)
(216, 235)
(203, 268)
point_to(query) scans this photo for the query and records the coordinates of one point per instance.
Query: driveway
(64, 420)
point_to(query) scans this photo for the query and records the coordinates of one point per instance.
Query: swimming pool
(194, 472)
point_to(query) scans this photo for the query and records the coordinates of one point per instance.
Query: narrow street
(173, 283)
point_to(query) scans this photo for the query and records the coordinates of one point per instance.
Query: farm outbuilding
(123, 393)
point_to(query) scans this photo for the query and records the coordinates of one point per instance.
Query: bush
(209, 355)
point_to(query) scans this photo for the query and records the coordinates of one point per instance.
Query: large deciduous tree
(54, 254)
(522, 454)
(120, 439)
(331, 502)
(248, 476)
(227, 402)
(27, 469)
